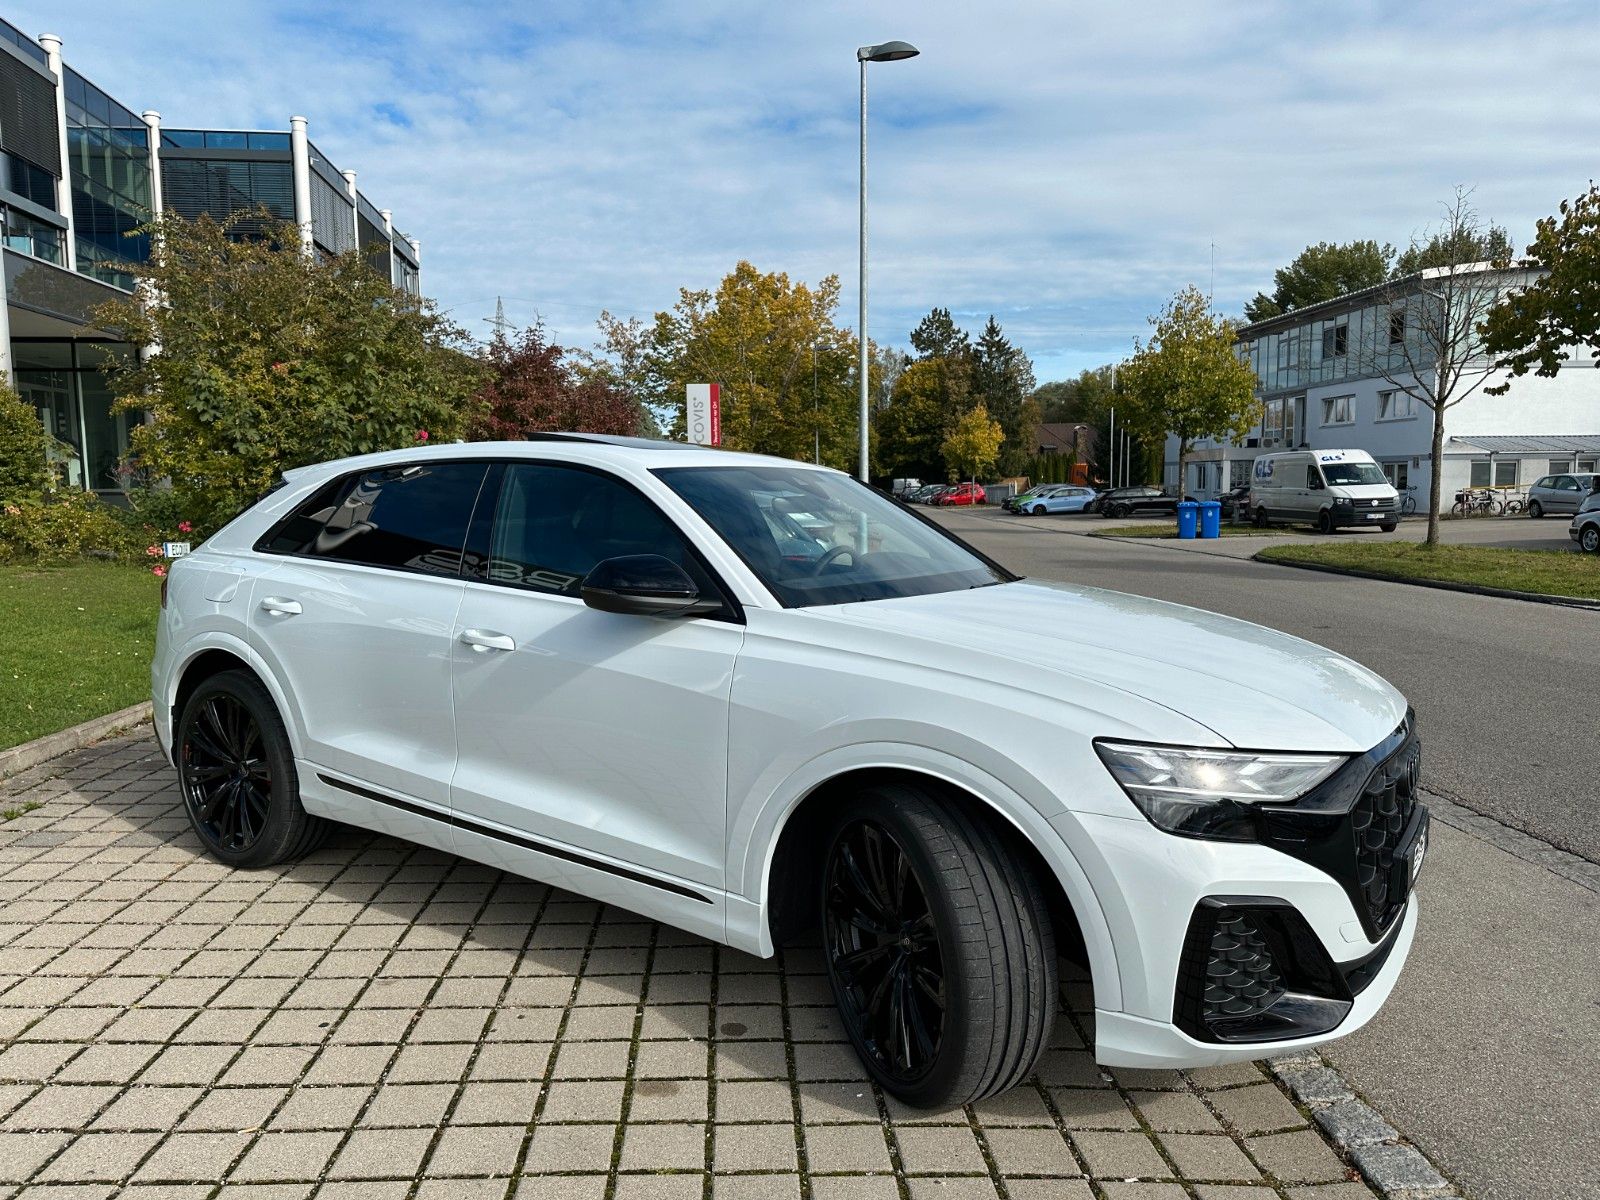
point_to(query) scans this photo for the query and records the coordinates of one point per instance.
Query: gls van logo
(1263, 468)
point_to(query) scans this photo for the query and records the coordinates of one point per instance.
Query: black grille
(1240, 978)
(1379, 821)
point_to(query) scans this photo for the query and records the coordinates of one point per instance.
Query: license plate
(1417, 852)
(1375, 516)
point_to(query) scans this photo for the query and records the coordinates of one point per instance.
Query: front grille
(1379, 821)
(1240, 978)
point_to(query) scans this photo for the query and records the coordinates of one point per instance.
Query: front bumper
(1232, 950)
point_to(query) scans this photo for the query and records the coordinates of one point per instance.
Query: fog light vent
(1241, 980)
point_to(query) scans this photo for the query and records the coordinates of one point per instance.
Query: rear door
(356, 621)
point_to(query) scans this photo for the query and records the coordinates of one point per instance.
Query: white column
(52, 48)
(416, 253)
(389, 232)
(300, 160)
(355, 201)
(152, 122)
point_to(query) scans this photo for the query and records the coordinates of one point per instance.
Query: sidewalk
(381, 1020)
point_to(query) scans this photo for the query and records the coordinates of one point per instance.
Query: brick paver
(382, 1020)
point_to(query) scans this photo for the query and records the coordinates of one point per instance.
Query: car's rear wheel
(939, 948)
(236, 769)
(1589, 539)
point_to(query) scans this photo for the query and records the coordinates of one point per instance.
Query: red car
(963, 493)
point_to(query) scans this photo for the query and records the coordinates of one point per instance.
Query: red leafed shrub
(532, 388)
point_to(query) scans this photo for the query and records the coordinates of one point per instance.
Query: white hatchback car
(758, 700)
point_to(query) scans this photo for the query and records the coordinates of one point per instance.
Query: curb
(1396, 1169)
(30, 754)
(1443, 585)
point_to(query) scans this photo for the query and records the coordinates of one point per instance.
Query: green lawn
(1170, 530)
(77, 645)
(1548, 572)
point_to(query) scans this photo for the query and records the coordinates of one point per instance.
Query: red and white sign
(704, 412)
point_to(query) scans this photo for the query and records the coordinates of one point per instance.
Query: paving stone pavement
(380, 1020)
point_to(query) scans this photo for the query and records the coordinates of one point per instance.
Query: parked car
(594, 662)
(961, 494)
(1111, 495)
(1327, 489)
(1013, 503)
(904, 487)
(1559, 493)
(1585, 530)
(1059, 500)
(1135, 501)
(1236, 500)
(929, 493)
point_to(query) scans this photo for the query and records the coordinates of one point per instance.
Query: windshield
(1342, 474)
(816, 537)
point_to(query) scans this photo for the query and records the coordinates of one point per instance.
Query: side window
(411, 518)
(1313, 477)
(1567, 483)
(554, 523)
(1545, 482)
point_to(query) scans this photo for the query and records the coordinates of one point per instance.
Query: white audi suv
(761, 701)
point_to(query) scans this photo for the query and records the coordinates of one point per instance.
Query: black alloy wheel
(883, 948)
(227, 780)
(236, 767)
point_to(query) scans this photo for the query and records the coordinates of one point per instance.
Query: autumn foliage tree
(533, 386)
(973, 444)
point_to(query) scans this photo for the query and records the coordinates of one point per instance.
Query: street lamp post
(884, 52)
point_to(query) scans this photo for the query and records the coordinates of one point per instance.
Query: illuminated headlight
(1209, 793)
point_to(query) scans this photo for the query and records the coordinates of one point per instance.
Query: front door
(600, 738)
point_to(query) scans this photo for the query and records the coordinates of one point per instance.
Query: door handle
(487, 639)
(279, 607)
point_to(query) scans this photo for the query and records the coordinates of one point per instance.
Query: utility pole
(499, 319)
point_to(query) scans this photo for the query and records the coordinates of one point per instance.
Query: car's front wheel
(938, 946)
(236, 768)
(1589, 539)
(1038, 510)
(1536, 510)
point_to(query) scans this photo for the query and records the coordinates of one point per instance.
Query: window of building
(1398, 474)
(1558, 465)
(1272, 423)
(1498, 473)
(30, 236)
(407, 518)
(1338, 410)
(1397, 328)
(1335, 341)
(1289, 350)
(1239, 472)
(1396, 406)
(30, 181)
(1586, 464)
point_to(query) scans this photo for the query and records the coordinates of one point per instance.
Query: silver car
(1559, 493)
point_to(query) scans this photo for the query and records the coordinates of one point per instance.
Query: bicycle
(1408, 505)
(1514, 506)
(1471, 503)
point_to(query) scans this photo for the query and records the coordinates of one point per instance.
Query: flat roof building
(80, 172)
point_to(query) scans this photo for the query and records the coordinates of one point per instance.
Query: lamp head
(887, 52)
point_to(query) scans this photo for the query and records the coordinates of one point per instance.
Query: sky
(1065, 167)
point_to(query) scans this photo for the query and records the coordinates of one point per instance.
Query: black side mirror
(644, 585)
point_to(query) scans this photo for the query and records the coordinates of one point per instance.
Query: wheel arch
(777, 879)
(217, 653)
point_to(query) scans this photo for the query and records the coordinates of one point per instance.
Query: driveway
(383, 1021)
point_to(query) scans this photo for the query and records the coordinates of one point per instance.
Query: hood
(1363, 491)
(1254, 687)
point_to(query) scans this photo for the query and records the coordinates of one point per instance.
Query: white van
(1325, 488)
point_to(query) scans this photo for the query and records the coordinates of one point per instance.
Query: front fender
(758, 825)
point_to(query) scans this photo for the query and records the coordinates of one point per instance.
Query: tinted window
(554, 523)
(411, 518)
(1567, 483)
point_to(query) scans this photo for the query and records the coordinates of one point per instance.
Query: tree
(938, 336)
(1322, 272)
(1002, 380)
(24, 449)
(1537, 328)
(1188, 381)
(270, 359)
(1432, 351)
(1454, 248)
(929, 396)
(787, 371)
(531, 387)
(973, 444)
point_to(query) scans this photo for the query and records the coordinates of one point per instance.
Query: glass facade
(109, 159)
(65, 381)
(29, 235)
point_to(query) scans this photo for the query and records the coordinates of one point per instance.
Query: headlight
(1208, 793)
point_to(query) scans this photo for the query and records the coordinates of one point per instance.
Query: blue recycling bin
(1188, 518)
(1210, 518)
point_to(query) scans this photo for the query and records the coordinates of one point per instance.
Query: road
(1488, 1053)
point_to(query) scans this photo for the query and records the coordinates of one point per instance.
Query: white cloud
(1064, 166)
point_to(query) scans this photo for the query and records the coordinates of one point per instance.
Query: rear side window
(411, 518)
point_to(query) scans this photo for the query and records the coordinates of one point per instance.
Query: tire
(1589, 539)
(243, 816)
(1535, 510)
(1325, 521)
(1390, 527)
(1260, 518)
(977, 926)
(1458, 509)
(1038, 510)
